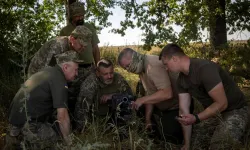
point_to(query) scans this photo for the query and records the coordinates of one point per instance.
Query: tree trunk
(66, 4)
(217, 23)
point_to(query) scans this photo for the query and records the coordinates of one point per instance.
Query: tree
(157, 17)
(97, 11)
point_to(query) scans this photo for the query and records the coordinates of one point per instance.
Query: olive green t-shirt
(87, 54)
(43, 92)
(203, 76)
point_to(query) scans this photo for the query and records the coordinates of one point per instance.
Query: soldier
(226, 110)
(96, 90)
(77, 41)
(41, 94)
(92, 52)
(160, 92)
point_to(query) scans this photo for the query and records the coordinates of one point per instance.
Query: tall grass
(96, 136)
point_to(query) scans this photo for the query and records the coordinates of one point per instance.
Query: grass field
(94, 137)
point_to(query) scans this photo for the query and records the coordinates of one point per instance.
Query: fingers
(184, 119)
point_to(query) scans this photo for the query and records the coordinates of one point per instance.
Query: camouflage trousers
(74, 89)
(225, 131)
(31, 136)
(74, 86)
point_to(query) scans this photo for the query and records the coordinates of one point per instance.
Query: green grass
(95, 137)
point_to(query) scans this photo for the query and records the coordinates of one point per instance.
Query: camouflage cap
(76, 9)
(68, 57)
(83, 34)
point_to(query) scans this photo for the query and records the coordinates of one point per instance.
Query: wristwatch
(197, 119)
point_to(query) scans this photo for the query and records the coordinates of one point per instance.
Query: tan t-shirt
(156, 77)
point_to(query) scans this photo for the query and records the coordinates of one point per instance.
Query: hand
(137, 104)
(185, 147)
(68, 140)
(187, 119)
(105, 98)
(148, 125)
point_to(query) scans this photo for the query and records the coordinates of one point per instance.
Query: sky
(134, 36)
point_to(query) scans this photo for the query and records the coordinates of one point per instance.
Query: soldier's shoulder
(68, 27)
(89, 26)
(65, 31)
(91, 78)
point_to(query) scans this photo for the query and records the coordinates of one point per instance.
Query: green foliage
(156, 19)
(99, 11)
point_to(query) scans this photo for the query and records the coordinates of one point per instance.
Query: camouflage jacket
(44, 57)
(89, 97)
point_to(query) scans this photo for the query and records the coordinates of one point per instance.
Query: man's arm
(148, 113)
(96, 53)
(214, 86)
(157, 97)
(184, 108)
(220, 102)
(64, 124)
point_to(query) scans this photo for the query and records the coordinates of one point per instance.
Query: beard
(107, 81)
(79, 22)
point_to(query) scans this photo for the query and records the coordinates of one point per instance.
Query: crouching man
(39, 96)
(96, 92)
(226, 112)
(161, 99)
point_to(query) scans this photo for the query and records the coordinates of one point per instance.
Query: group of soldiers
(68, 84)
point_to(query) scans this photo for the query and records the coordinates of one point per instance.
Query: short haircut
(124, 52)
(171, 50)
(104, 63)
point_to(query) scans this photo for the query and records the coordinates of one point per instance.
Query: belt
(85, 65)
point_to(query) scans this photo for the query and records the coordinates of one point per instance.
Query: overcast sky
(134, 36)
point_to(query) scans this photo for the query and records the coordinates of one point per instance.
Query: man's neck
(185, 64)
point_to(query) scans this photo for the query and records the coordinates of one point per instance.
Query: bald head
(126, 53)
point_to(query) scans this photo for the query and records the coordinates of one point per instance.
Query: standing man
(34, 103)
(226, 110)
(92, 53)
(160, 91)
(96, 90)
(77, 41)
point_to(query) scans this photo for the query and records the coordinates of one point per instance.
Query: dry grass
(95, 137)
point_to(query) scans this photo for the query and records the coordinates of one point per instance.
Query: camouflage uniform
(85, 68)
(89, 98)
(222, 131)
(44, 57)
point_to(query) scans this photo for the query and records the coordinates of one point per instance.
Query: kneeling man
(226, 110)
(96, 92)
(36, 100)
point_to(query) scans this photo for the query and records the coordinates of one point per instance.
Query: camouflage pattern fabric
(83, 34)
(39, 135)
(87, 54)
(137, 63)
(31, 136)
(90, 92)
(68, 57)
(221, 132)
(44, 57)
(74, 86)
